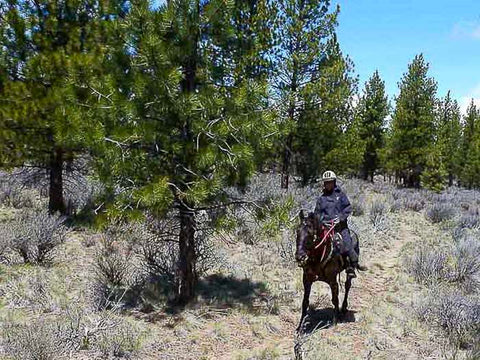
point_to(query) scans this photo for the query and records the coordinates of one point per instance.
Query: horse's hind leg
(307, 287)
(348, 284)
(334, 288)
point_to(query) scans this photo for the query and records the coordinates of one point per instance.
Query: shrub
(413, 203)
(75, 328)
(469, 221)
(36, 234)
(112, 262)
(6, 237)
(123, 342)
(37, 340)
(466, 267)
(111, 269)
(14, 195)
(395, 204)
(81, 329)
(358, 205)
(397, 194)
(286, 247)
(428, 265)
(440, 212)
(80, 192)
(247, 228)
(377, 214)
(155, 242)
(457, 315)
(355, 194)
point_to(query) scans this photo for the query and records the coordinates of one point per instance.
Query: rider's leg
(352, 250)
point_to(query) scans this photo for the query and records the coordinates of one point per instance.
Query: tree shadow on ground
(228, 292)
(319, 319)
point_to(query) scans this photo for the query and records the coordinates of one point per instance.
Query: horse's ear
(301, 215)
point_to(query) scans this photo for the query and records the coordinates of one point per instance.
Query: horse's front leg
(334, 287)
(307, 287)
(348, 284)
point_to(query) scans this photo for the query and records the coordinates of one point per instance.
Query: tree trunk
(286, 162)
(291, 115)
(450, 179)
(56, 202)
(187, 257)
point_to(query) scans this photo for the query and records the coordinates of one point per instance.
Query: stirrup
(351, 272)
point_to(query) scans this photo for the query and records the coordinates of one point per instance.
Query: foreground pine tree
(178, 127)
(413, 123)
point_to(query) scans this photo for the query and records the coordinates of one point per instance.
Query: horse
(325, 263)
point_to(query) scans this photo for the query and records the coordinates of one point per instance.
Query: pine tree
(50, 48)
(434, 174)
(302, 30)
(470, 149)
(413, 123)
(327, 136)
(449, 135)
(371, 113)
(178, 127)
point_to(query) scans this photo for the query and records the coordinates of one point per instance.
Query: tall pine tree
(50, 48)
(371, 113)
(413, 123)
(327, 136)
(470, 153)
(302, 31)
(449, 133)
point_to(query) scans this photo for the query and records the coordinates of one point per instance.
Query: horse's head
(308, 227)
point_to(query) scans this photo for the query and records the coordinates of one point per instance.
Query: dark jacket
(331, 205)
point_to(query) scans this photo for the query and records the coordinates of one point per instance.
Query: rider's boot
(354, 264)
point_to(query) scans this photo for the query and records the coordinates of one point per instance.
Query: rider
(333, 205)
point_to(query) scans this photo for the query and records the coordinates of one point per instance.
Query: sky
(387, 34)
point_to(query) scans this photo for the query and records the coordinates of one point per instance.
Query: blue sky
(387, 34)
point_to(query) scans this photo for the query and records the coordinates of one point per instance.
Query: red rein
(323, 240)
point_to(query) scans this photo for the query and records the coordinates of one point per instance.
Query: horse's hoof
(344, 311)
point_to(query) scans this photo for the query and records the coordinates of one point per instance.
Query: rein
(323, 259)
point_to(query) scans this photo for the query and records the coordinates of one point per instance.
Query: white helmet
(329, 176)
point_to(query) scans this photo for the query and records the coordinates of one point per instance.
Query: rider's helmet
(329, 176)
